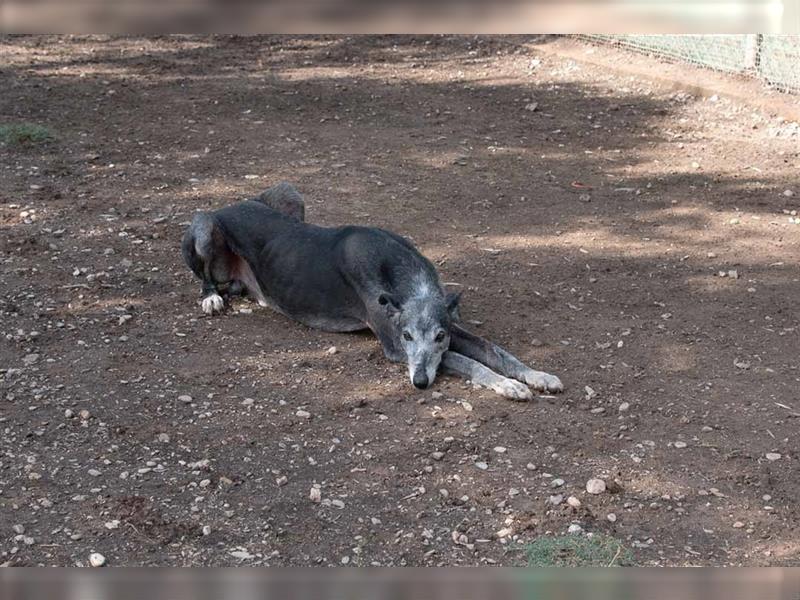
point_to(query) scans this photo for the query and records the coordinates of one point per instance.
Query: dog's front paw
(513, 390)
(543, 382)
(212, 304)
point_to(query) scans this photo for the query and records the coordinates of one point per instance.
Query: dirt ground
(590, 237)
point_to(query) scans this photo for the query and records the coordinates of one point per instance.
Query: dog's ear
(390, 303)
(452, 301)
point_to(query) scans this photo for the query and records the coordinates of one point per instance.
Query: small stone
(695, 165)
(68, 413)
(114, 524)
(505, 532)
(679, 444)
(573, 502)
(30, 359)
(788, 193)
(163, 438)
(536, 343)
(706, 429)
(574, 528)
(437, 455)
(94, 473)
(556, 499)
(624, 407)
(612, 518)
(282, 480)
(206, 529)
(332, 350)
(482, 465)
(248, 402)
(500, 449)
(96, 559)
(315, 495)
(345, 560)
(437, 395)
(557, 482)
(18, 529)
(337, 503)
(185, 398)
(738, 525)
(85, 415)
(303, 414)
(530, 467)
(773, 456)
(532, 106)
(595, 486)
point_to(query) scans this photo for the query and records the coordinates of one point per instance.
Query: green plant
(578, 551)
(17, 134)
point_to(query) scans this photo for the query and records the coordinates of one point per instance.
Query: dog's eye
(440, 336)
(407, 336)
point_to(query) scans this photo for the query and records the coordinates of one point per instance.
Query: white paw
(513, 390)
(212, 304)
(543, 382)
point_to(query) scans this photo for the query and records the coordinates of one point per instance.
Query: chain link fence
(773, 58)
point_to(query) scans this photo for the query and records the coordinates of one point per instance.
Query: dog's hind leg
(500, 360)
(208, 256)
(468, 368)
(284, 198)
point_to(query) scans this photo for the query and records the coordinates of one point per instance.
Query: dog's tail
(284, 198)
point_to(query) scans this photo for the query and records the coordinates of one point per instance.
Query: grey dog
(347, 279)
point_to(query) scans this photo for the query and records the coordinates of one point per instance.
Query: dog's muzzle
(420, 380)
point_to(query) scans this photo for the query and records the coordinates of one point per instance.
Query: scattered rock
(772, 456)
(788, 193)
(504, 532)
(332, 350)
(624, 407)
(97, 560)
(30, 359)
(557, 482)
(500, 449)
(738, 525)
(556, 499)
(315, 495)
(574, 528)
(303, 414)
(595, 486)
(679, 444)
(185, 398)
(612, 518)
(573, 502)
(482, 465)
(437, 455)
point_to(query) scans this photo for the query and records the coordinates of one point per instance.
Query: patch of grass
(19, 134)
(578, 551)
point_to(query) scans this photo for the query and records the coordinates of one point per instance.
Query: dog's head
(423, 324)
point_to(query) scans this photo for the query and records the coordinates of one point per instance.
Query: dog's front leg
(458, 364)
(500, 360)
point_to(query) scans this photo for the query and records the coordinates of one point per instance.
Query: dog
(345, 279)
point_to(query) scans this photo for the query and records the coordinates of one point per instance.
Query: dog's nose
(420, 381)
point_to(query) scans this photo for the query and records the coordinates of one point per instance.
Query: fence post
(752, 48)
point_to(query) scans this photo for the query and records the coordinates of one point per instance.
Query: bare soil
(588, 235)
